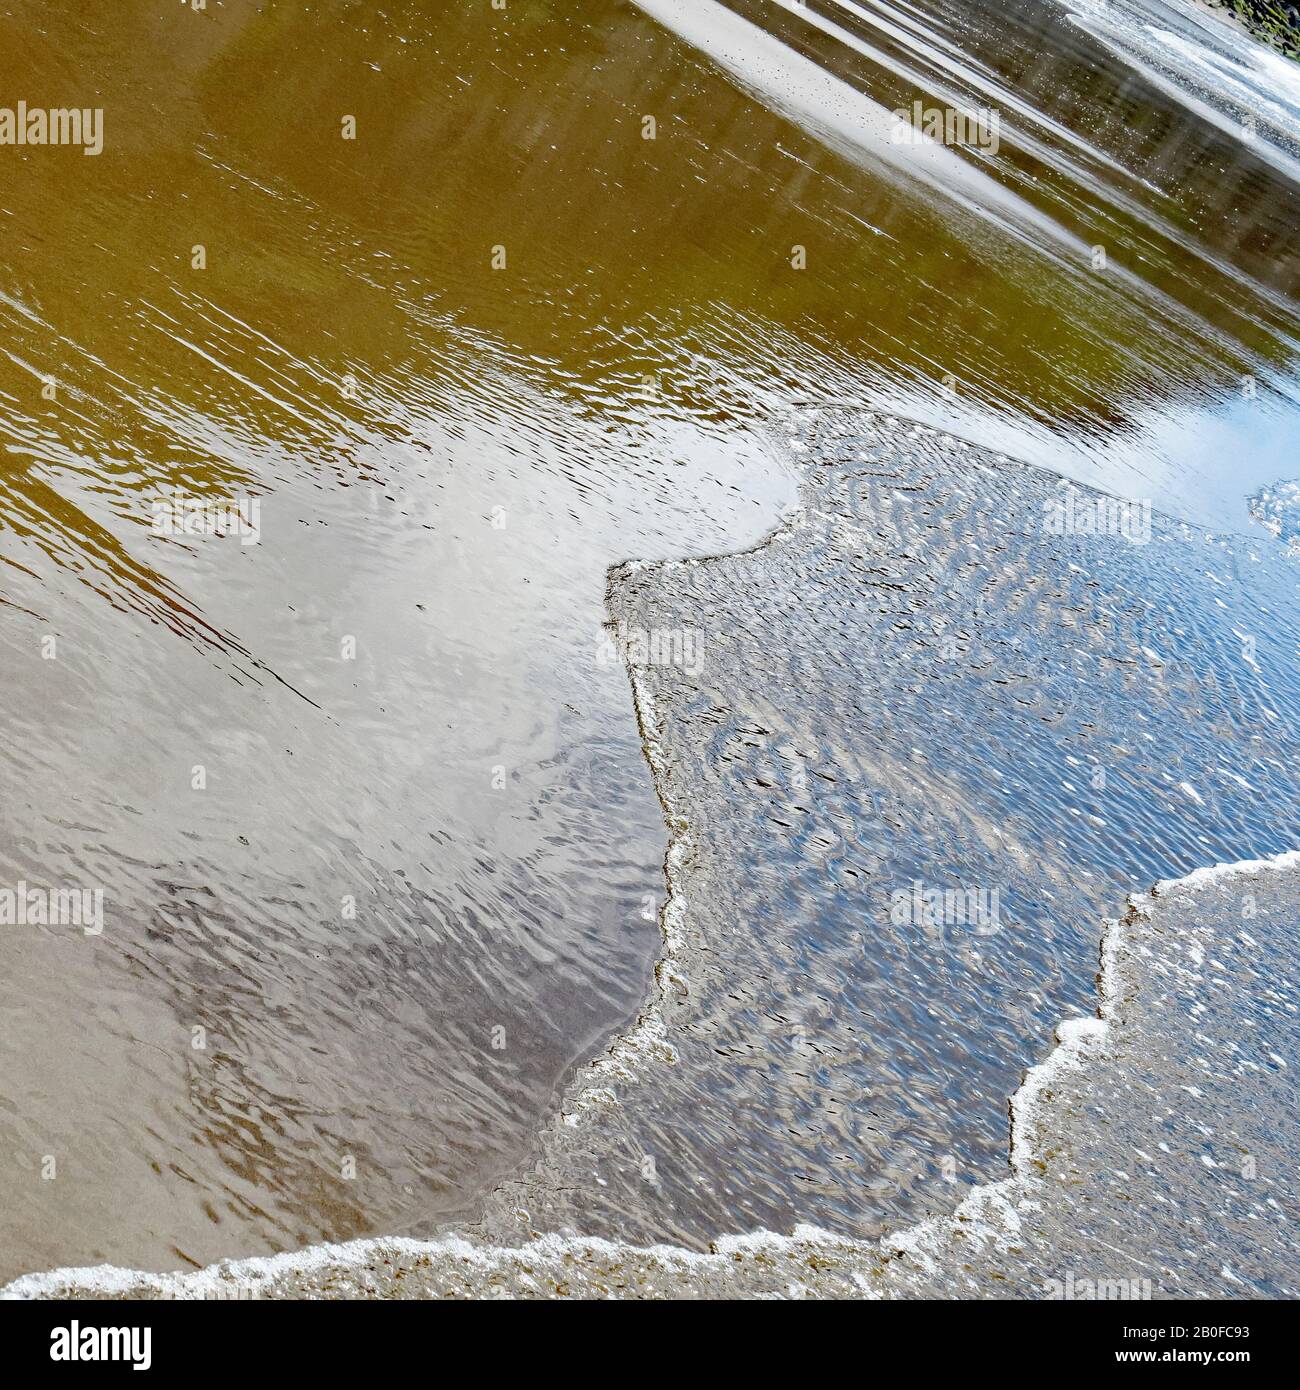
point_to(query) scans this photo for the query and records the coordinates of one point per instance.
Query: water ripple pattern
(944, 677)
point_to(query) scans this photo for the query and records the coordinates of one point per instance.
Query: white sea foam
(1277, 508)
(648, 1036)
(1198, 878)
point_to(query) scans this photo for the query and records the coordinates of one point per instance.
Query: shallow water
(447, 828)
(918, 686)
(1151, 1157)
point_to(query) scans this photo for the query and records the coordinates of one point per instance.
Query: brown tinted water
(379, 852)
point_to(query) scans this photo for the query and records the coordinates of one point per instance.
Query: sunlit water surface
(380, 852)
